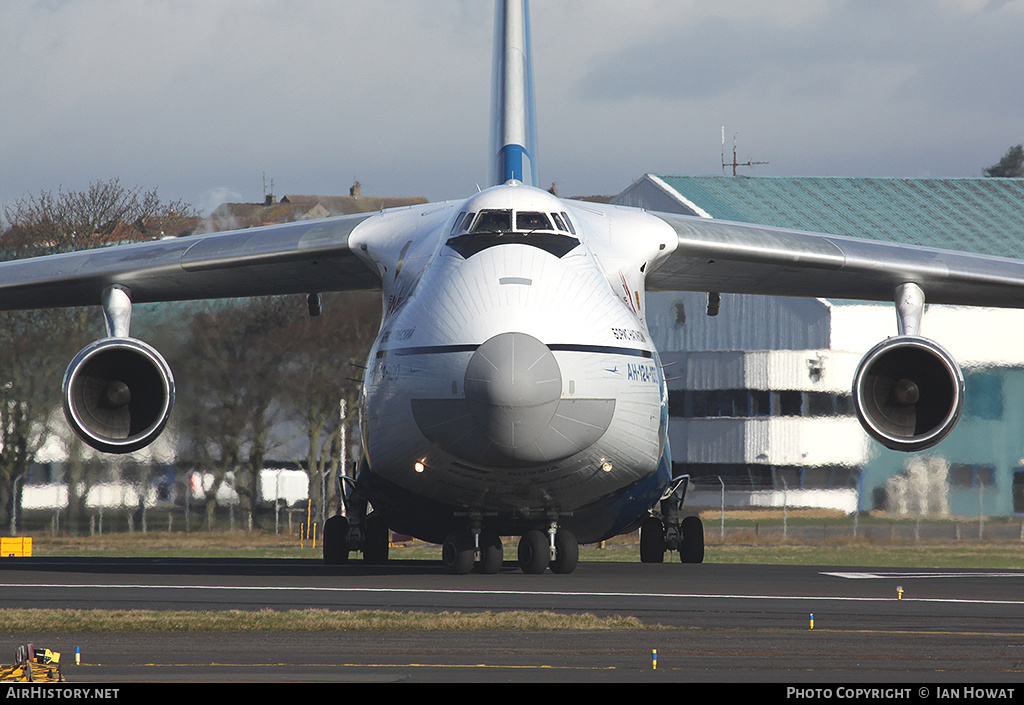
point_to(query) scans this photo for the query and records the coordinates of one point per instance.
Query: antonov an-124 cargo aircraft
(513, 389)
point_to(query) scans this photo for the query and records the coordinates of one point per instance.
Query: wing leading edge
(300, 257)
(729, 257)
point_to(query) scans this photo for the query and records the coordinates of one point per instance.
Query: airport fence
(875, 528)
(770, 526)
(286, 521)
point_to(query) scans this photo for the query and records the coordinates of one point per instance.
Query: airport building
(760, 394)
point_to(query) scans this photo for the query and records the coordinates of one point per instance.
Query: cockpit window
(466, 222)
(494, 221)
(528, 221)
(568, 222)
(492, 228)
(458, 222)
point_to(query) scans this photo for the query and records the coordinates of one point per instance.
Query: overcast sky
(201, 98)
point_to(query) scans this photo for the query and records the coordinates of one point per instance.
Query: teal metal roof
(984, 215)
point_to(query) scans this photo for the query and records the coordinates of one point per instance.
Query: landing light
(419, 466)
(606, 465)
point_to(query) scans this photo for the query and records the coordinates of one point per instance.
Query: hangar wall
(759, 395)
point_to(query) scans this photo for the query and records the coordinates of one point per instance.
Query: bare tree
(231, 375)
(322, 374)
(36, 345)
(255, 372)
(101, 214)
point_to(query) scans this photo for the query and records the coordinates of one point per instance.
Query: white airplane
(513, 388)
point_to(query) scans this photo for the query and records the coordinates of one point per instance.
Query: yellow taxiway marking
(357, 665)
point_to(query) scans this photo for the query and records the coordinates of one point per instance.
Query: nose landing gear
(480, 549)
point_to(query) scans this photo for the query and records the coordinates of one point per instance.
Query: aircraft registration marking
(641, 373)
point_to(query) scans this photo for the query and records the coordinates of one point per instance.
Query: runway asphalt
(724, 623)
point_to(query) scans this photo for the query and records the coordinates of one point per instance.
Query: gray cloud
(195, 97)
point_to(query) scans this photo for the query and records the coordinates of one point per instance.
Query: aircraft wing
(721, 256)
(302, 257)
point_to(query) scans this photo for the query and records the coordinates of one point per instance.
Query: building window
(751, 477)
(754, 403)
(963, 477)
(760, 402)
(790, 404)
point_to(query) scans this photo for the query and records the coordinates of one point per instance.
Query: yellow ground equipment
(33, 665)
(16, 548)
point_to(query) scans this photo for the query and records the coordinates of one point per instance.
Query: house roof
(984, 215)
(299, 207)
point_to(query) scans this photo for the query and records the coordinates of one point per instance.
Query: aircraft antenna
(735, 162)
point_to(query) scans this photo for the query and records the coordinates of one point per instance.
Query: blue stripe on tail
(512, 113)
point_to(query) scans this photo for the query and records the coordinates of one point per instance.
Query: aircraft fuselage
(513, 376)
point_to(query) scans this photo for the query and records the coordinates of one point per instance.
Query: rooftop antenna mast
(735, 162)
(268, 196)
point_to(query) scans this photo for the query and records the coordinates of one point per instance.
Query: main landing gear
(478, 548)
(365, 532)
(663, 531)
(557, 549)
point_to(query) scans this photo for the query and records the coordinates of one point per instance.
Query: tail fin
(512, 116)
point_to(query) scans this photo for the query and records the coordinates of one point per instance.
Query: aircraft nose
(513, 369)
(514, 383)
(513, 413)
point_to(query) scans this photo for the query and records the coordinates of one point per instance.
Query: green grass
(308, 620)
(767, 546)
(909, 555)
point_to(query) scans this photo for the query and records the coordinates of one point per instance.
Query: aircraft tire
(692, 548)
(652, 540)
(491, 553)
(457, 552)
(534, 555)
(336, 540)
(376, 540)
(567, 552)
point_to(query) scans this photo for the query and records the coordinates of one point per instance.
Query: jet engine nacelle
(909, 393)
(118, 394)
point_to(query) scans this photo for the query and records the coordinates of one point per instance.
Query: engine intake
(909, 393)
(118, 394)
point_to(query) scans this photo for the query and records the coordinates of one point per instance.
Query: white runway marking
(878, 575)
(519, 593)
